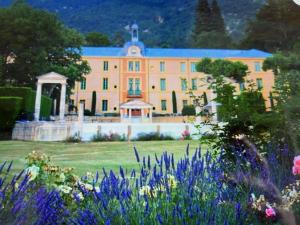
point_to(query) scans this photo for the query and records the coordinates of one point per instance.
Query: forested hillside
(165, 23)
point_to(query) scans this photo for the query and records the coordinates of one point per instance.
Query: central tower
(134, 33)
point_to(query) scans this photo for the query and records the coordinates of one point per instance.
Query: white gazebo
(136, 110)
(51, 78)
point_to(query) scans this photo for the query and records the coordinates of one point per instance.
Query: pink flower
(270, 212)
(296, 167)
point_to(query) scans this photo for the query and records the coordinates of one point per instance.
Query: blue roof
(176, 53)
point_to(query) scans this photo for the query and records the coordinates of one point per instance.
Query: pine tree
(174, 102)
(202, 20)
(217, 21)
(276, 27)
(94, 98)
(209, 30)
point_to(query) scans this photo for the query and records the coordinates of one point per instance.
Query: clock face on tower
(297, 2)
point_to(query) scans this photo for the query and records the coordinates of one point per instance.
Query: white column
(62, 103)
(38, 102)
(142, 113)
(121, 113)
(81, 112)
(130, 114)
(214, 106)
(54, 107)
(150, 114)
(198, 117)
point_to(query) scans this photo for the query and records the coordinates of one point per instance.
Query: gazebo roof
(52, 77)
(135, 104)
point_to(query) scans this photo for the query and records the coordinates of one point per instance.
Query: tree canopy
(276, 27)
(34, 42)
(97, 39)
(220, 67)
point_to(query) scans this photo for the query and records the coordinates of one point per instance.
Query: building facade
(150, 75)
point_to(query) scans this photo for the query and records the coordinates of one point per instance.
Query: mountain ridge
(166, 23)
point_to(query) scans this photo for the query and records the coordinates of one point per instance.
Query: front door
(136, 112)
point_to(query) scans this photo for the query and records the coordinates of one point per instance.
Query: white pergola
(135, 104)
(51, 78)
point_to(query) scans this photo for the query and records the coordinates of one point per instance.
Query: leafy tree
(34, 42)
(276, 27)
(223, 68)
(174, 102)
(242, 113)
(96, 39)
(203, 16)
(94, 99)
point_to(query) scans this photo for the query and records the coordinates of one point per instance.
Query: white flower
(62, 177)
(32, 172)
(97, 189)
(65, 189)
(88, 187)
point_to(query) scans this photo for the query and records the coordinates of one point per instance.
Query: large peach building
(136, 80)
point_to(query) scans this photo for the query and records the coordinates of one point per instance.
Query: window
(130, 66)
(164, 105)
(184, 102)
(183, 84)
(105, 84)
(162, 84)
(182, 67)
(83, 84)
(162, 66)
(137, 85)
(104, 105)
(242, 86)
(137, 66)
(130, 84)
(193, 67)
(105, 65)
(259, 83)
(257, 66)
(194, 84)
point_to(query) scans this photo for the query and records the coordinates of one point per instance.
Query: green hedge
(9, 110)
(189, 110)
(28, 101)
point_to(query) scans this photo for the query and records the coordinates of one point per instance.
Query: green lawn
(91, 156)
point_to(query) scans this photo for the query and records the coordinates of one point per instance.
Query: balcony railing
(134, 93)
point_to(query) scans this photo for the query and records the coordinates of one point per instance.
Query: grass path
(91, 156)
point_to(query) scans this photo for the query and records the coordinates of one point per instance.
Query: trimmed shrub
(76, 138)
(27, 96)
(153, 136)
(9, 110)
(88, 112)
(108, 137)
(189, 110)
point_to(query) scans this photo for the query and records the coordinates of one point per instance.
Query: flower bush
(195, 190)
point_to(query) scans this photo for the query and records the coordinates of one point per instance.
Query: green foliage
(286, 97)
(28, 101)
(96, 39)
(46, 106)
(188, 110)
(76, 138)
(94, 99)
(220, 67)
(34, 42)
(276, 27)
(88, 112)
(174, 102)
(205, 101)
(9, 110)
